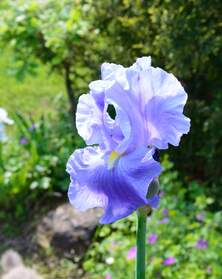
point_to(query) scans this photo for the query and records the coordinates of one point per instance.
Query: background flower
(164, 221)
(152, 238)
(200, 216)
(108, 276)
(165, 211)
(201, 244)
(23, 141)
(131, 254)
(169, 261)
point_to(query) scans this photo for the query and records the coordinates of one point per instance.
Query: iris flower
(124, 118)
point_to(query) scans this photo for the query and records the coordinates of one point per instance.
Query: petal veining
(119, 190)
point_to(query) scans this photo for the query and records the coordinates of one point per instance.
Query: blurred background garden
(49, 51)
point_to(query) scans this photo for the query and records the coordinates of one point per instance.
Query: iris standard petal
(97, 91)
(114, 72)
(165, 125)
(119, 190)
(129, 118)
(89, 120)
(164, 116)
(152, 106)
(93, 122)
(108, 70)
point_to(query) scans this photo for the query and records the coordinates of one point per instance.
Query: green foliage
(201, 150)
(183, 36)
(73, 37)
(176, 238)
(34, 158)
(26, 96)
(58, 33)
(187, 36)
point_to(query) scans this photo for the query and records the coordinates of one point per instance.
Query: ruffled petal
(165, 125)
(97, 91)
(89, 120)
(151, 107)
(119, 190)
(114, 72)
(108, 70)
(129, 118)
(164, 116)
(93, 122)
(143, 63)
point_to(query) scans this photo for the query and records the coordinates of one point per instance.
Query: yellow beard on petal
(112, 158)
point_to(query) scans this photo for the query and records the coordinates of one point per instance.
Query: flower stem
(141, 243)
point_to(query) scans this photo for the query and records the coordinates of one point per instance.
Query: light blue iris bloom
(116, 174)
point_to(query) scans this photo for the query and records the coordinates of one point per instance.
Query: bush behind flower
(176, 252)
(33, 160)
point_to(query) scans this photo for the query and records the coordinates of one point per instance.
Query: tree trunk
(71, 96)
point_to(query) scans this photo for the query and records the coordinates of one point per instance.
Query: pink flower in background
(169, 261)
(131, 253)
(108, 276)
(152, 238)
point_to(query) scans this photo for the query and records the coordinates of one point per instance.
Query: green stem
(140, 243)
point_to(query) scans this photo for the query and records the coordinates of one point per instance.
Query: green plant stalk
(141, 243)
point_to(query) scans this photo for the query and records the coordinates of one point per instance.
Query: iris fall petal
(119, 190)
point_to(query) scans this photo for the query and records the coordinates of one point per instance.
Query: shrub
(34, 159)
(183, 238)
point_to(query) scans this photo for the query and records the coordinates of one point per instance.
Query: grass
(34, 95)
